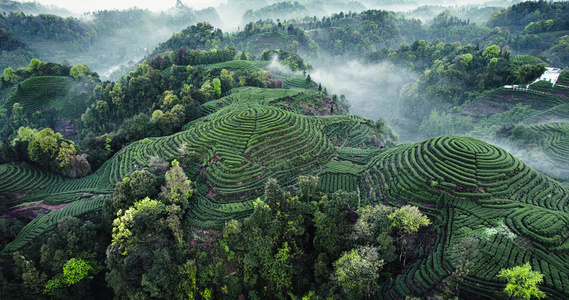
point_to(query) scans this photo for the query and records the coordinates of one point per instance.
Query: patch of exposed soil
(28, 213)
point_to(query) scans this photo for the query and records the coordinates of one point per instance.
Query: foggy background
(81, 6)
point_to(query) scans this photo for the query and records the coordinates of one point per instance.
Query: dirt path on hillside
(32, 211)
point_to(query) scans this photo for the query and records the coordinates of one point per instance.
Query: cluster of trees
(449, 29)
(519, 16)
(51, 151)
(453, 73)
(49, 27)
(138, 20)
(7, 6)
(300, 245)
(303, 244)
(307, 12)
(68, 265)
(14, 115)
(368, 31)
(200, 36)
(37, 67)
(156, 99)
(526, 20)
(560, 51)
(95, 34)
(298, 40)
(351, 34)
(186, 57)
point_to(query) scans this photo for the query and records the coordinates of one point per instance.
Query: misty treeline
(109, 37)
(345, 33)
(298, 10)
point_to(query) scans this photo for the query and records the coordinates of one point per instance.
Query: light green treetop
(522, 282)
(408, 219)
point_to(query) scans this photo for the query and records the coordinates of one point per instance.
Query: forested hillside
(105, 40)
(322, 150)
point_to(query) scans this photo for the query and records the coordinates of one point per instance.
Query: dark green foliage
(448, 80)
(139, 185)
(49, 222)
(9, 228)
(131, 257)
(49, 98)
(228, 186)
(31, 8)
(374, 228)
(143, 184)
(199, 36)
(7, 153)
(375, 29)
(559, 51)
(523, 14)
(525, 73)
(15, 54)
(70, 31)
(518, 135)
(358, 272)
(73, 245)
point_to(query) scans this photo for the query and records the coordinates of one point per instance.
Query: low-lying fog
(371, 89)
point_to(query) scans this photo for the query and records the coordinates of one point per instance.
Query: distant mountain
(300, 10)
(104, 40)
(32, 8)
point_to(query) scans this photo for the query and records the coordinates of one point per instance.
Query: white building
(551, 75)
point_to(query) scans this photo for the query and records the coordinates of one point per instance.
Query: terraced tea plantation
(528, 59)
(23, 177)
(298, 100)
(248, 65)
(35, 93)
(470, 189)
(240, 146)
(474, 189)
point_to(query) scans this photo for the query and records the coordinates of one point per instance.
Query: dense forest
(285, 150)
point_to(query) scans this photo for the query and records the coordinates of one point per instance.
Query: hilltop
(474, 189)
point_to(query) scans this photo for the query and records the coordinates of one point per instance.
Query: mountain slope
(472, 189)
(475, 190)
